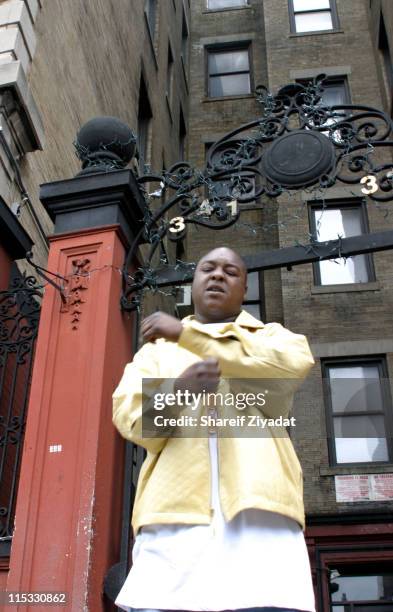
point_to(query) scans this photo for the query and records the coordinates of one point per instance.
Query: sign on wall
(364, 487)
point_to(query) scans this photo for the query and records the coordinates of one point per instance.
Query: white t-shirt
(258, 559)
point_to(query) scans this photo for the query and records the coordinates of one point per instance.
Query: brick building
(182, 74)
(235, 46)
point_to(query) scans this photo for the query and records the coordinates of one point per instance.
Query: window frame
(182, 134)
(261, 292)
(144, 125)
(380, 361)
(332, 81)
(333, 13)
(230, 48)
(341, 203)
(352, 554)
(151, 10)
(185, 45)
(386, 61)
(170, 78)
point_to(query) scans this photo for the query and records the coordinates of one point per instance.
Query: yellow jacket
(260, 472)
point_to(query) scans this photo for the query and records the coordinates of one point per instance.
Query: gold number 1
(233, 206)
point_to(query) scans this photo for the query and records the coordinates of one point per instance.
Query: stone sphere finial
(104, 144)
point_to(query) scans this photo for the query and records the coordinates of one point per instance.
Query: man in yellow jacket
(218, 519)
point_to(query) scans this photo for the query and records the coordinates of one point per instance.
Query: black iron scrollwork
(19, 318)
(297, 142)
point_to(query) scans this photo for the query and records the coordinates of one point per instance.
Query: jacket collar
(244, 319)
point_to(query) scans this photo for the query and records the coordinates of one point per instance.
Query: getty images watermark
(240, 401)
(238, 408)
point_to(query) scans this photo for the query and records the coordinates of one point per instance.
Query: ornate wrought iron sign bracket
(297, 143)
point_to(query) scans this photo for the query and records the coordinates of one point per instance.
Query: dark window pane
(355, 388)
(228, 61)
(253, 309)
(334, 95)
(368, 426)
(364, 588)
(230, 85)
(184, 39)
(253, 286)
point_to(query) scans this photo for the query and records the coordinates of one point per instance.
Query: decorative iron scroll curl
(19, 317)
(296, 143)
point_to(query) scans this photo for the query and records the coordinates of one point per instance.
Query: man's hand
(201, 376)
(161, 325)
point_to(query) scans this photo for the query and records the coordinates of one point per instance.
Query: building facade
(345, 315)
(61, 64)
(182, 74)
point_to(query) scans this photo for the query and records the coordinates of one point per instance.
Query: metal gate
(19, 316)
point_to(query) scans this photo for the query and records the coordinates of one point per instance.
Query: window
(184, 41)
(224, 4)
(312, 15)
(169, 76)
(387, 63)
(340, 220)
(254, 299)
(335, 90)
(359, 411)
(144, 126)
(182, 135)
(228, 72)
(361, 587)
(335, 93)
(150, 12)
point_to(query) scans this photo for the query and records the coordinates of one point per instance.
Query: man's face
(219, 287)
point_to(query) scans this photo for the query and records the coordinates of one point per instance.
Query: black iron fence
(19, 316)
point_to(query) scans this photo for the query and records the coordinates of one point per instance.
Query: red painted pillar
(68, 515)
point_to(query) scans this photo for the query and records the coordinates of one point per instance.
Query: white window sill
(223, 98)
(345, 288)
(338, 470)
(226, 9)
(316, 33)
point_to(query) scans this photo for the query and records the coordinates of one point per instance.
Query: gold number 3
(371, 184)
(177, 225)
